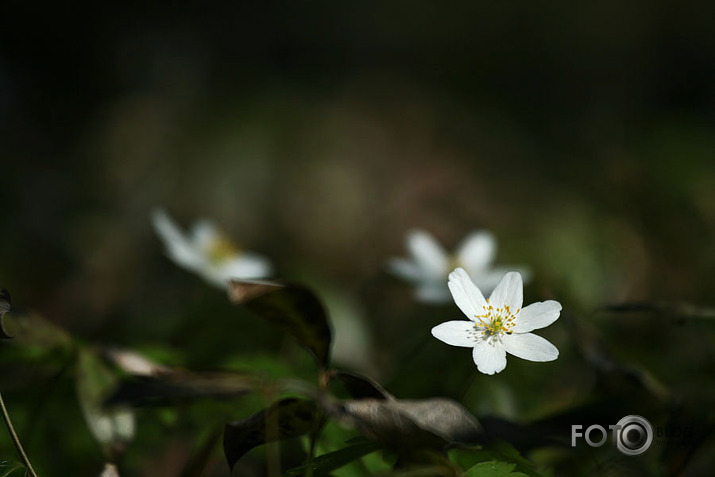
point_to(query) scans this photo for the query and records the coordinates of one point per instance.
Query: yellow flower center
(496, 321)
(221, 249)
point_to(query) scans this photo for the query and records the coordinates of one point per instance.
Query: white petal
(245, 266)
(489, 358)
(466, 294)
(427, 253)
(509, 292)
(204, 234)
(537, 315)
(457, 333)
(177, 245)
(436, 292)
(529, 346)
(405, 269)
(477, 251)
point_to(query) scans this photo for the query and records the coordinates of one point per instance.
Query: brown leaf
(174, 386)
(400, 423)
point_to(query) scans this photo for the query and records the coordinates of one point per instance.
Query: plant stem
(15, 439)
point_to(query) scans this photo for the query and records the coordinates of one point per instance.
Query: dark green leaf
(171, 386)
(293, 308)
(496, 452)
(326, 463)
(285, 419)
(359, 387)
(4, 308)
(397, 423)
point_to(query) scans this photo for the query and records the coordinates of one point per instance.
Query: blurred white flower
(429, 264)
(498, 325)
(207, 252)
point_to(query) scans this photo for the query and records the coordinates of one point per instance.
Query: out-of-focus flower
(207, 252)
(429, 264)
(498, 325)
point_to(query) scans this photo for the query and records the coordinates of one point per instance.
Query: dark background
(318, 133)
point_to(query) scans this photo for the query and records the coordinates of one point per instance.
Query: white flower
(430, 264)
(498, 325)
(207, 252)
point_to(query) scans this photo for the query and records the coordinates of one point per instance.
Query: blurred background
(318, 134)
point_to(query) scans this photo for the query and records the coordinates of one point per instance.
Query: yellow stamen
(221, 249)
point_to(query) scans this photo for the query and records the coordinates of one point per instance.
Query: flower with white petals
(207, 252)
(429, 264)
(498, 325)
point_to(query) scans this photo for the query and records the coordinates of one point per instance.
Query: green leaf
(326, 463)
(112, 427)
(285, 419)
(493, 469)
(8, 468)
(293, 308)
(500, 452)
(4, 308)
(401, 423)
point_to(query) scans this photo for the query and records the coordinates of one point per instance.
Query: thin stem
(315, 433)
(15, 439)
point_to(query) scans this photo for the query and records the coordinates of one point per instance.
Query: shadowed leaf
(285, 419)
(293, 308)
(172, 386)
(359, 387)
(4, 308)
(430, 423)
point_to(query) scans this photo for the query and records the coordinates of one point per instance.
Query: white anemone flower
(429, 264)
(208, 252)
(498, 325)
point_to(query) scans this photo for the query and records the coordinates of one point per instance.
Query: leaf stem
(15, 438)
